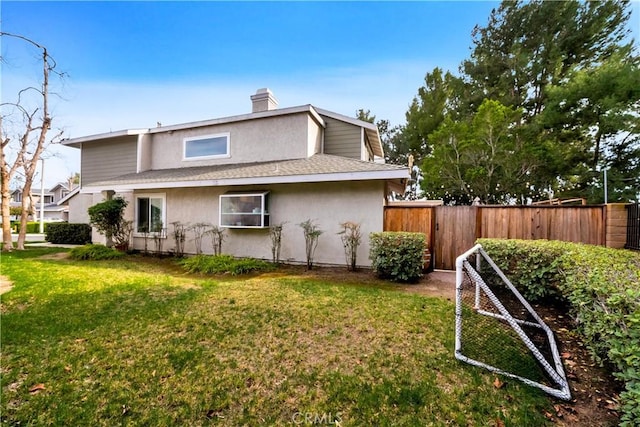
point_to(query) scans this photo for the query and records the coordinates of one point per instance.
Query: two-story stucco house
(244, 173)
(55, 207)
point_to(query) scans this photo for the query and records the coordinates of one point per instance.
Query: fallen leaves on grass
(37, 388)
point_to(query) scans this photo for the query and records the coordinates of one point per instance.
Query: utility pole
(42, 197)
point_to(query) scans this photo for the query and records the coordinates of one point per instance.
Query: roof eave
(77, 142)
(286, 179)
(243, 117)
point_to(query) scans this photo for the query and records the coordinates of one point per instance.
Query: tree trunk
(6, 210)
(5, 193)
(22, 233)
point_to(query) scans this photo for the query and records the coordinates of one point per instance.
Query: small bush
(602, 286)
(108, 218)
(275, 234)
(351, 238)
(311, 235)
(221, 264)
(69, 234)
(397, 256)
(217, 238)
(179, 238)
(94, 253)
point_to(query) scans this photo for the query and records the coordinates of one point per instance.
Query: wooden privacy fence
(451, 230)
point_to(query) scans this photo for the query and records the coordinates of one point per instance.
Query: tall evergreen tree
(599, 108)
(538, 58)
(527, 46)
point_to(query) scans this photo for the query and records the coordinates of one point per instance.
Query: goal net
(497, 329)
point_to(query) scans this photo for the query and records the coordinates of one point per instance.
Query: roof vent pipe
(263, 100)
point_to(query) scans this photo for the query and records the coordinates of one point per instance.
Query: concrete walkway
(29, 237)
(51, 245)
(37, 239)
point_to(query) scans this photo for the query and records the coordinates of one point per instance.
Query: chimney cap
(263, 100)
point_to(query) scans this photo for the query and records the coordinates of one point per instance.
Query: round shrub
(397, 255)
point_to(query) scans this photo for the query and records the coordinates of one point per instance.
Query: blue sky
(133, 64)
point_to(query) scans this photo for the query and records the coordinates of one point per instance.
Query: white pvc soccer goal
(497, 329)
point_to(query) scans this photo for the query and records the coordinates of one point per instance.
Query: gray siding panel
(342, 139)
(103, 160)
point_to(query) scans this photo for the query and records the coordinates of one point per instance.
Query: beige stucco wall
(328, 204)
(285, 137)
(315, 137)
(78, 206)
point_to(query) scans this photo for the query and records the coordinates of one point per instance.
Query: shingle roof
(318, 167)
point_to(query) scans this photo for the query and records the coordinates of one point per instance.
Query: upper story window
(206, 147)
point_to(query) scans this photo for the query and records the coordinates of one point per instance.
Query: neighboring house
(245, 173)
(55, 207)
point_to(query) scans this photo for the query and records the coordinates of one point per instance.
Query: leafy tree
(528, 45)
(438, 98)
(108, 218)
(599, 108)
(540, 59)
(484, 157)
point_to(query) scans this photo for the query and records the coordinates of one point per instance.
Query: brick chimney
(263, 100)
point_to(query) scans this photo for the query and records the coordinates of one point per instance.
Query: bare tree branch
(30, 144)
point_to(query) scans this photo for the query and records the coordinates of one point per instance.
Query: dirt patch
(435, 284)
(5, 284)
(56, 256)
(594, 390)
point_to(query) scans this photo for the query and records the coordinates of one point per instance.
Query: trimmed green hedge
(32, 226)
(602, 286)
(397, 255)
(70, 234)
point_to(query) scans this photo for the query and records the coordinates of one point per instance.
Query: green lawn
(138, 343)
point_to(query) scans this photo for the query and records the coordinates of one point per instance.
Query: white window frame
(162, 196)
(260, 211)
(185, 141)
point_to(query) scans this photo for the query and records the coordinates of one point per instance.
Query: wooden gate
(455, 233)
(413, 219)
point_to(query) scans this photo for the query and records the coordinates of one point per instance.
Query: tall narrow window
(150, 213)
(206, 147)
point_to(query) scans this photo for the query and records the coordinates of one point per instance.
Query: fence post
(615, 225)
